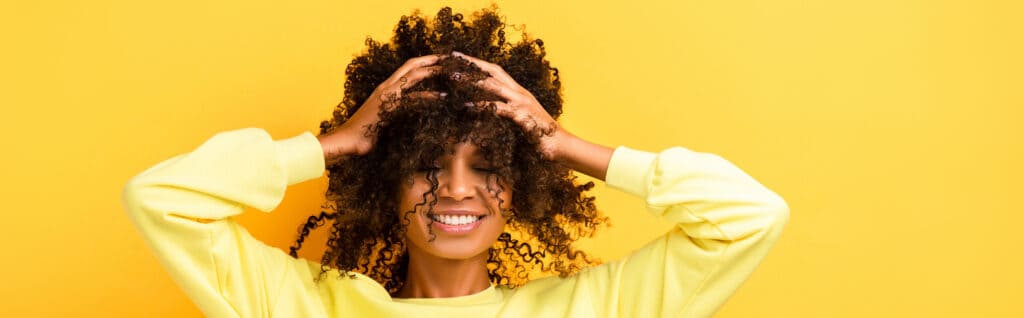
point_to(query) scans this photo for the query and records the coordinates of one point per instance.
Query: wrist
(339, 144)
(567, 148)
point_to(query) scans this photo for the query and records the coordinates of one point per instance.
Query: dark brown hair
(549, 210)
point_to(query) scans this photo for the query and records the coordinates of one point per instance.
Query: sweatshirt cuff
(301, 156)
(628, 170)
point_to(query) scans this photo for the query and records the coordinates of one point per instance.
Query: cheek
(505, 195)
(410, 192)
(501, 202)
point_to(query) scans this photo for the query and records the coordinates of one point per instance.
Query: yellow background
(893, 129)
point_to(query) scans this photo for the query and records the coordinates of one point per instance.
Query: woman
(449, 185)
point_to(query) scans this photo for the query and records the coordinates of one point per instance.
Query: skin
(456, 265)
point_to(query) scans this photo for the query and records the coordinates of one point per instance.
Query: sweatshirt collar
(489, 295)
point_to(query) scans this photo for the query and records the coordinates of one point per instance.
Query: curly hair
(549, 211)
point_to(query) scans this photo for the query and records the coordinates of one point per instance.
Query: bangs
(427, 129)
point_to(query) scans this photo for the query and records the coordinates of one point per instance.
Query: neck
(429, 276)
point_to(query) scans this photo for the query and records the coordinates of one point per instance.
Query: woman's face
(467, 218)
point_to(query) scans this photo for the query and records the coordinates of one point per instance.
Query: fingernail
(457, 53)
(443, 94)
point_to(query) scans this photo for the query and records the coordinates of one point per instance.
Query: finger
(491, 68)
(499, 88)
(430, 95)
(503, 109)
(391, 90)
(418, 74)
(524, 119)
(416, 62)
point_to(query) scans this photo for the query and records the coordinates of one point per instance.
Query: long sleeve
(726, 224)
(182, 208)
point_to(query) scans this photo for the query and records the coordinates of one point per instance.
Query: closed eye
(427, 168)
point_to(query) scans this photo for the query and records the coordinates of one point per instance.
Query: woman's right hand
(354, 137)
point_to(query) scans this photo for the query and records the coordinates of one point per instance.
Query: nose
(458, 184)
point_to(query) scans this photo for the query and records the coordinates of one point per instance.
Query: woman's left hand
(523, 108)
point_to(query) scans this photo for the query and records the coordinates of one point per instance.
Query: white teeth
(456, 219)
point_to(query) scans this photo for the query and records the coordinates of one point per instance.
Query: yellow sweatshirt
(183, 206)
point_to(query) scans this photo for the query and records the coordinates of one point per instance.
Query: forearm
(583, 156)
